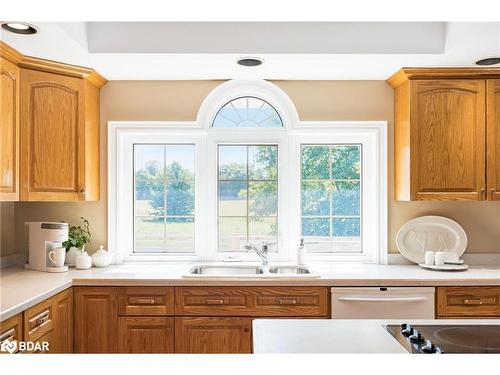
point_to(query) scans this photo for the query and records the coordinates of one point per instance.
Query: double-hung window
(202, 191)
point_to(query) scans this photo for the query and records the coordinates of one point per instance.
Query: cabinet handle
(41, 318)
(482, 192)
(82, 190)
(214, 301)
(283, 301)
(8, 335)
(473, 301)
(146, 301)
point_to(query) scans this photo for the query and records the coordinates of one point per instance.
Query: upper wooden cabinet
(52, 123)
(440, 133)
(9, 131)
(493, 138)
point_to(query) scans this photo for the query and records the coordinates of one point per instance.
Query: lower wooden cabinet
(145, 335)
(468, 302)
(12, 330)
(63, 316)
(213, 335)
(96, 320)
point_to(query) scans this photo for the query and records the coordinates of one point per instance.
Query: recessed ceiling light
(249, 61)
(489, 61)
(20, 28)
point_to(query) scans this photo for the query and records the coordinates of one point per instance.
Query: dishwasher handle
(382, 299)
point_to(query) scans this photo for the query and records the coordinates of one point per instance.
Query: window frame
(371, 134)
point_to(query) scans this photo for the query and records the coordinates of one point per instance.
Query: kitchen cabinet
(146, 335)
(59, 139)
(440, 133)
(213, 335)
(9, 130)
(49, 130)
(148, 301)
(493, 138)
(252, 301)
(12, 330)
(51, 321)
(96, 320)
(468, 302)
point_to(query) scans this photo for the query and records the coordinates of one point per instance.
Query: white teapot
(101, 258)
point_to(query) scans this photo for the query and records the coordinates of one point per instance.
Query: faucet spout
(262, 252)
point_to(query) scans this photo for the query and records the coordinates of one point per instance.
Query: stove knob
(428, 348)
(406, 330)
(438, 350)
(416, 337)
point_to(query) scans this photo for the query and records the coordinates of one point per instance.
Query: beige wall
(315, 100)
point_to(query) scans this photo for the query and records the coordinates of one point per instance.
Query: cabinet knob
(82, 190)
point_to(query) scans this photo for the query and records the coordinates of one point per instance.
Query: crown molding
(50, 66)
(406, 74)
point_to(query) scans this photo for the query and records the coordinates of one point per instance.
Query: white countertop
(334, 336)
(21, 288)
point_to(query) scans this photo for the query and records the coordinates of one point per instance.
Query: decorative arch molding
(234, 89)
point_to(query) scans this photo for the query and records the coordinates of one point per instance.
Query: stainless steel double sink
(237, 271)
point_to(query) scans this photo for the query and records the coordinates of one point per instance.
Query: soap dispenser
(301, 253)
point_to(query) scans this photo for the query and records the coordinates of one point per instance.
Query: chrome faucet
(262, 252)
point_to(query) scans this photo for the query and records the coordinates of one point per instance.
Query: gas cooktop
(439, 339)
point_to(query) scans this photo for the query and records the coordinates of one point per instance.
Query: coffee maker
(43, 238)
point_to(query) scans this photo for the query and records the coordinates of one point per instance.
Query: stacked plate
(432, 233)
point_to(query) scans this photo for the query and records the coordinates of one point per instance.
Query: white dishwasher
(383, 303)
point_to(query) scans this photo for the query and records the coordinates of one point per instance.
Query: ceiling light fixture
(489, 61)
(249, 61)
(20, 28)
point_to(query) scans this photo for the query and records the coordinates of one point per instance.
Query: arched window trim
(250, 127)
(235, 89)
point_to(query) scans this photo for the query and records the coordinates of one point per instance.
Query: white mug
(57, 256)
(439, 258)
(429, 258)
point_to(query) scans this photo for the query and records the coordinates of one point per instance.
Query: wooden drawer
(11, 329)
(146, 301)
(252, 301)
(38, 320)
(48, 339)
(468, 302)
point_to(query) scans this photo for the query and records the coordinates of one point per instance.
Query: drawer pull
(283, 301)
(214, 301)
(146, 301)
(8, 335)
(40, 319)
(473, 301)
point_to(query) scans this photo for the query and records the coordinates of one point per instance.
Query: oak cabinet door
(145, 335)
(493, 137)
(63, 318)
(9, 131)
(448, 139)
(213, 335)
(52, 136)
(96, 320)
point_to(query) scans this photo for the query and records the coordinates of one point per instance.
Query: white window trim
(372, 134)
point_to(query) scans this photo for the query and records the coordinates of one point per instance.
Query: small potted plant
(78, 237)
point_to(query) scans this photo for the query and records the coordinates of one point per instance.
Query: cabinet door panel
(146, 335)
(448, 139)
(52, 133)
(9, 131)
(213, 335)
(493, 137)
(63, 317)
(96, 320)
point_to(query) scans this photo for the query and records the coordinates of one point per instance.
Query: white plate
(446, 267)
(430, 233)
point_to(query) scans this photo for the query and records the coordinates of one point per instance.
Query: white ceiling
(326, 50)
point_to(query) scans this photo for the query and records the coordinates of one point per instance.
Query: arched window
(247, 112)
